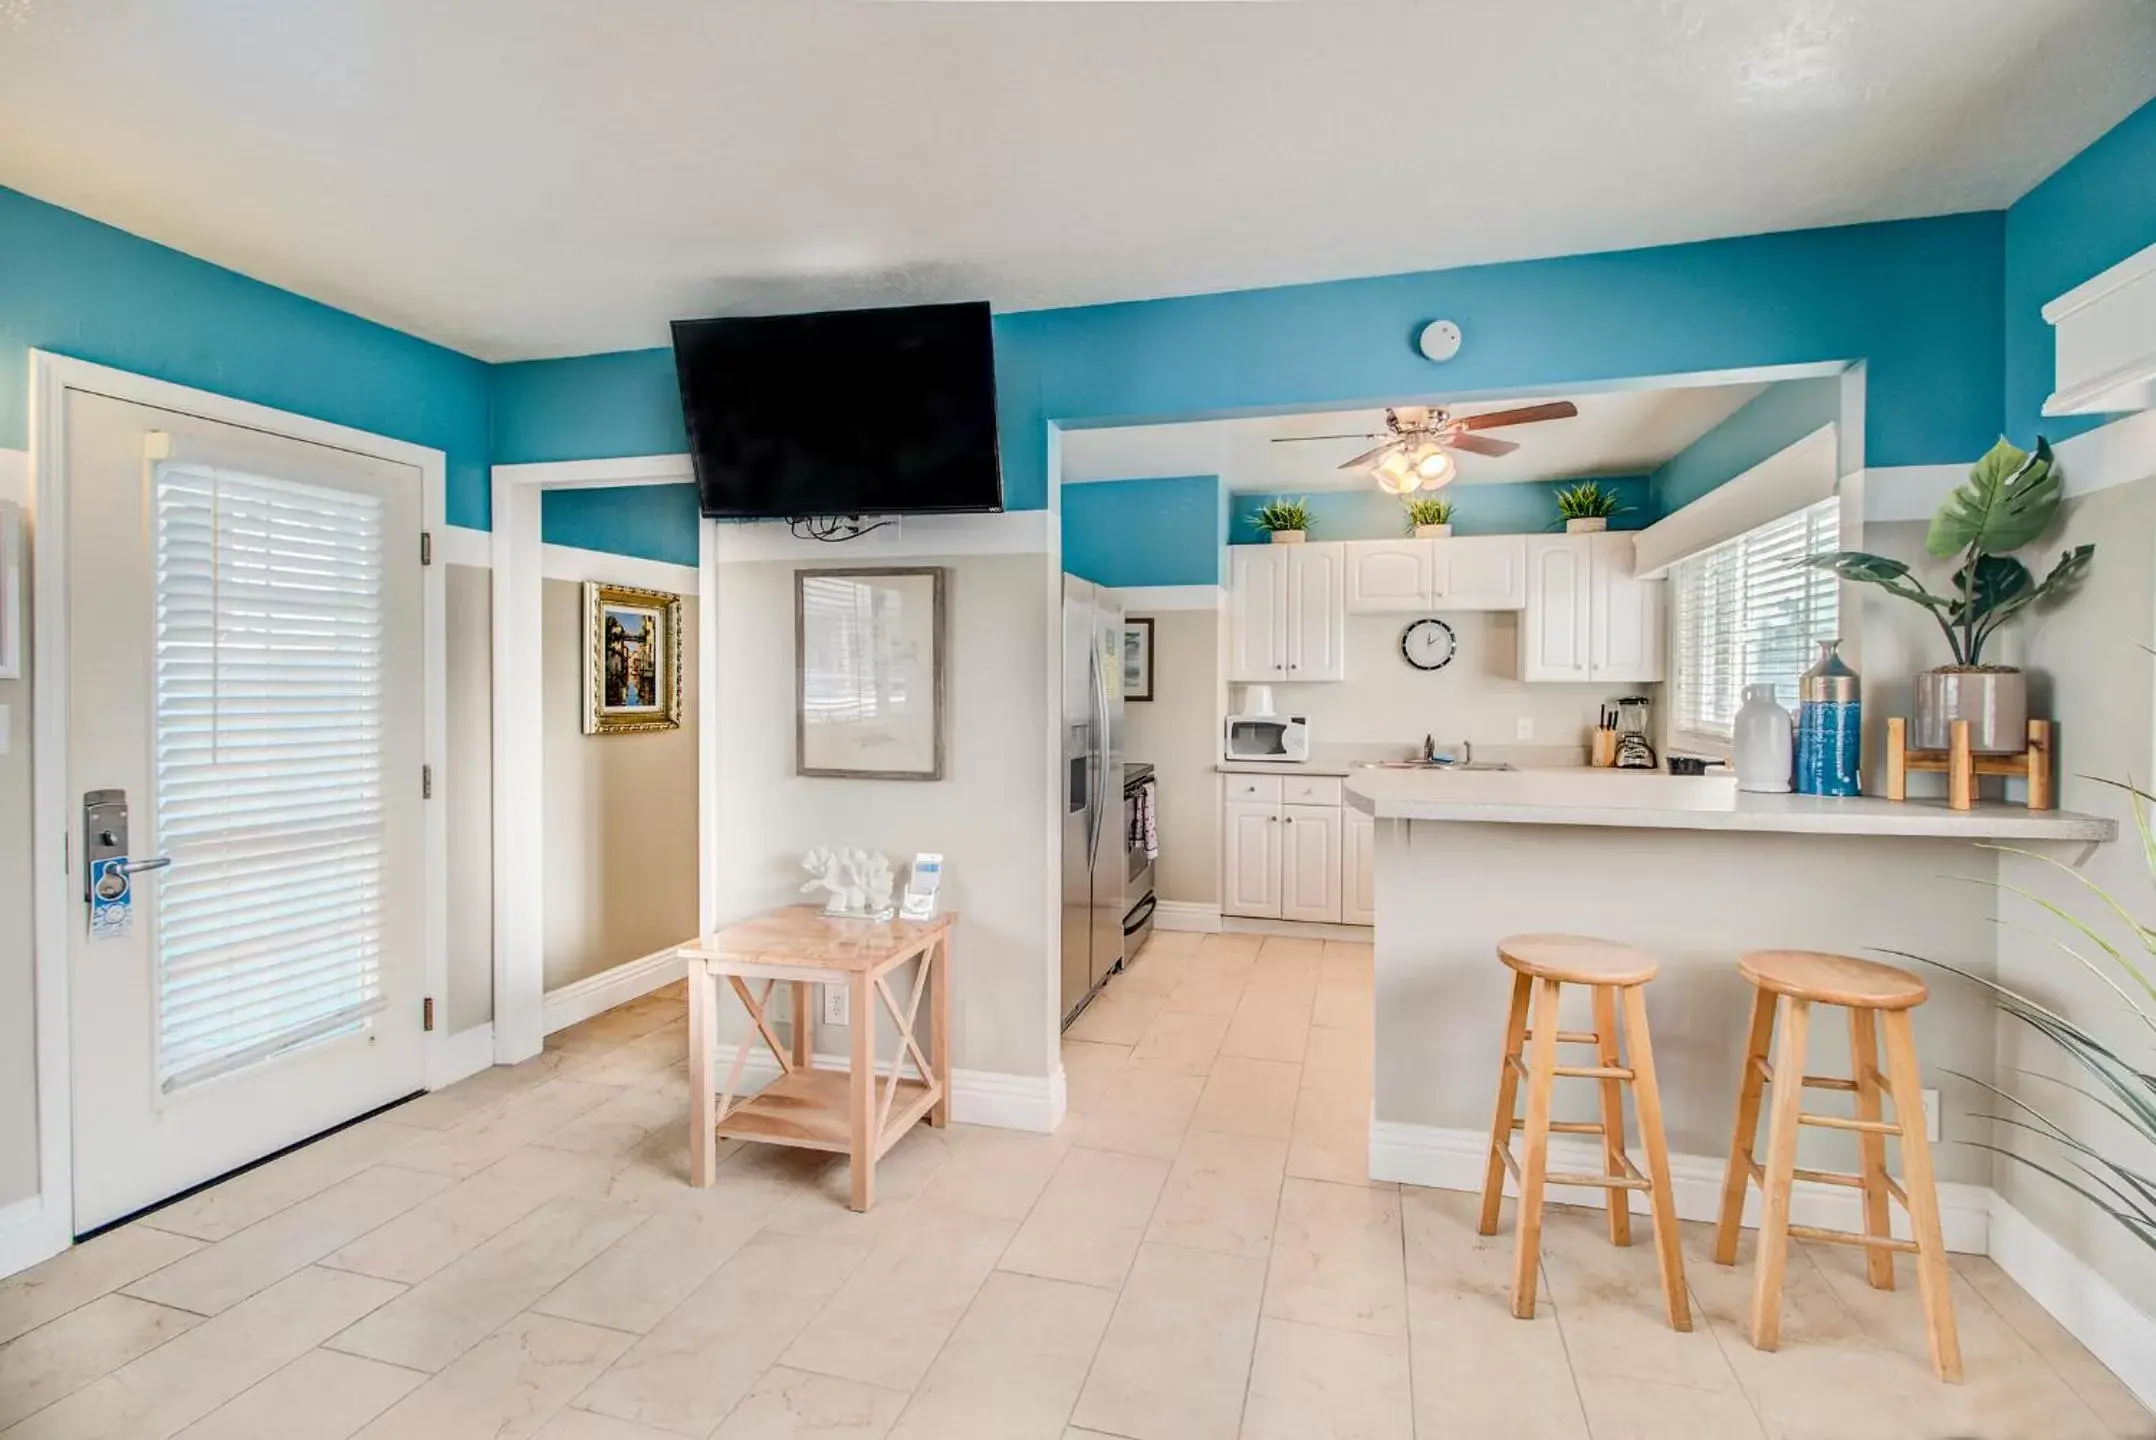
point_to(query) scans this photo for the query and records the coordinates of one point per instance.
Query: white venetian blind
(270, 704)
(1746, 612)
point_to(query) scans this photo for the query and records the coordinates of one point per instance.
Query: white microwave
(1283, 738)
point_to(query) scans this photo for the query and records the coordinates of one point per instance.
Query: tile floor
(1195, 1257)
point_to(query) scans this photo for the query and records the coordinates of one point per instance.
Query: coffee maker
(1635, 751)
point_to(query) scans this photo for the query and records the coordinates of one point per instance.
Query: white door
(244, 661)
(1252, 853)
(1310, 862)
(1553, 632)
(1388, 576)
(1358, 855)
(1257, 612)
(1480, 572)
(1317, 612)
(1626, 615)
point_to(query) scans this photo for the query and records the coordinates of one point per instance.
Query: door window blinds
(1748, 613)
(270, 703)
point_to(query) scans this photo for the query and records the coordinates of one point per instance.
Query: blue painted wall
(655, 522)
(1144, 532)
(1514, 509)
(78, 288)
(592, 407)
(1772, 421)
(2094, 211)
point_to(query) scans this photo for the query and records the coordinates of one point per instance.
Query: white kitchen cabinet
(1287, 617)
(1358, 854)
(1588, 617)
(1310, 862)
(1553, 631)
(1251, 851)
(1479, 572)
(1625, 628)
(1389, 577)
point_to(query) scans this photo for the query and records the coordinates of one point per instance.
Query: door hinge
(426, 1013)
(426, 782)
(426, 547)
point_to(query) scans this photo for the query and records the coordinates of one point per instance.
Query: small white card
(920, 901)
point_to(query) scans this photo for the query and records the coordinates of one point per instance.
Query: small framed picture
(868, 672)
(1138, 659)
(632, 660)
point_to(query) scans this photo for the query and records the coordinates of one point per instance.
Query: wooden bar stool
(1878, 997)
(1542, 965)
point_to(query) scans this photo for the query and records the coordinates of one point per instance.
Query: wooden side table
(844, 1111)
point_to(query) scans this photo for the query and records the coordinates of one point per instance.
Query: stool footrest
(1631, 1179)
(1811, 1082)
(1576, 1072)
(1843, 1122)
(1846, 1237)
(1817, 1177)
(1564, 1127)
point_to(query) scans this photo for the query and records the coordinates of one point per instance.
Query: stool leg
(1619, 1201)
(1534, 1162)
(1781, 1174)
(1508, 1092)
(1648, 1093)
(1933, 1278)
(1749, 1085)
(1871, 1147)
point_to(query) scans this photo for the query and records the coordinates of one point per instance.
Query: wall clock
(1428, 644)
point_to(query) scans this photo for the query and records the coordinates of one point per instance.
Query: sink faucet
(1465, 755)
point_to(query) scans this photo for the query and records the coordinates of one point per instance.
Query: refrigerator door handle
(1096, 757)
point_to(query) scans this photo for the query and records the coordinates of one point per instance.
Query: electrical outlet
(834, 1005)
(1931, 1116)
(1524, 728)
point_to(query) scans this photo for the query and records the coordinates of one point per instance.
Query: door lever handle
(142, 867)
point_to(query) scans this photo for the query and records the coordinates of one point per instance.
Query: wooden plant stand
(1961, 766)
(844, 1111)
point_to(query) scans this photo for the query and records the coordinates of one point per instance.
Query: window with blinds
(269, 760)
(1748, 613)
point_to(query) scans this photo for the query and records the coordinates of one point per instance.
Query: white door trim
(520, 564)
(51, 377)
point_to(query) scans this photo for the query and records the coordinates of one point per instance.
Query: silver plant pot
(1994, 702)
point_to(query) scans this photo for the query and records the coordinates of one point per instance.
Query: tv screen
(849, 412)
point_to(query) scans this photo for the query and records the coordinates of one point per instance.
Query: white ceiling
(1623, 432)
(538, 177)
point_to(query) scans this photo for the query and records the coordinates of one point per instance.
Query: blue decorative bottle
(1830, 726)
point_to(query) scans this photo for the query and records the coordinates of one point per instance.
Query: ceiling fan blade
(1525, 415)
(1482, 445)
(1294, 439)
(1366, 457)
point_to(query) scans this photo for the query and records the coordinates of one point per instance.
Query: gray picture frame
(836, 658)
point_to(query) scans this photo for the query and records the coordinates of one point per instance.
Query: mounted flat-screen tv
(847, 412)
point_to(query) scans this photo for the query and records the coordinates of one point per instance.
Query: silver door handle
(143, 867)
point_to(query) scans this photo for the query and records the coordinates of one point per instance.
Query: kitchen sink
(1482, 765)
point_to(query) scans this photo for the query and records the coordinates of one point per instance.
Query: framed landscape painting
(632, 659)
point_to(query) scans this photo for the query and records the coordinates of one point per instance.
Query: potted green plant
(2010, 499)
(1285, 522)
(1587, 506)
(1428, 517)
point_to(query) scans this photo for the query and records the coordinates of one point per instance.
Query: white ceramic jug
(1763, 742)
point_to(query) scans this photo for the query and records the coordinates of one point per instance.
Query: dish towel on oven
(1145, 825)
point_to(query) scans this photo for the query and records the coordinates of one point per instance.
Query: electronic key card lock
(107, 872)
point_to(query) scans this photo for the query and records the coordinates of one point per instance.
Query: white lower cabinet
(1358, 854)
(1310, 862)
(1251, 884)
(1291, 851)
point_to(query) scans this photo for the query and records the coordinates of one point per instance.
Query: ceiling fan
(1419, 441)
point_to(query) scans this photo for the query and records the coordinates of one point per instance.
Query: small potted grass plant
(1428, 517)
(1285, 522)
(1587, 506)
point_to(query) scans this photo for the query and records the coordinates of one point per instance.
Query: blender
(1634, 750)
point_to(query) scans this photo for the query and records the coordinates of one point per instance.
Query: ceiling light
(1395, 473)
(1435, 469)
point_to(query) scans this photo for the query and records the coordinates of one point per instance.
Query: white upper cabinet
(1553, 632)
(1479, 572)
(1588, 617)
(1389, 576)
(1625, 629)
(1317, 612)
(1287, 612)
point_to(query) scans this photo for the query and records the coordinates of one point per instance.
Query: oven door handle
(1146, 908)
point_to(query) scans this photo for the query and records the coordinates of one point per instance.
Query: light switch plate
(1525, 728)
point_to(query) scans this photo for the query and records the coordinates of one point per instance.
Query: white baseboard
(465, 1053)
(1294, 929)
(978, 1097)
(1184, 915)
(30, 1234)
(597, 994)
(2115, 1330)
(1445, 1159)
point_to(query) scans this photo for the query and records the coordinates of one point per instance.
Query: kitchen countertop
(1652, 801)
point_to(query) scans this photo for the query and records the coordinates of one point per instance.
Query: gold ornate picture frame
(632, 660)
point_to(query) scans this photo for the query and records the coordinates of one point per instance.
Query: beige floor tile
(1620, 1408)
(1291, 952)
(2099, 1389)
(1088, 1068)
(1156, 973)
(633, 1283)
(187, 1377)
(454, 1104)
(886, 1323)
(1339, 1062)
(1208, 989)
(636, 1063)
(1176, 1358)
(689, 1372)
(1145, 1112)
(1268, 1027)
(1249, 1097)
(320, 1396)
(798, 1405)
(472, 1211)
(1181, 1040)
(1609, 1305)
(508, 1385)
(223, 1274)
(435, 1321)
(1013, 1367)
(1444, 1252)
(231, 1207)
(1338, 1259)
(1344, 1005)
(1351, 957)
(1331, 1138)
(527, 1116)
(1222, 1194)
(1230, 948)
(1478, 1371)
(1090, 1219)
(79, 1275)
(619, 1125)
(1812, 1314)
(823, 1207)
(1311, 1383)
(1115, 1017)
(997, 1173)
(63, 1355)
(574, 1424)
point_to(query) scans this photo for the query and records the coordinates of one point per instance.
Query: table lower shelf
(810, 1109)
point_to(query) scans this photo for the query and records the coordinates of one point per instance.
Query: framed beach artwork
(868, 673)
(1138, 659)
(632, 660)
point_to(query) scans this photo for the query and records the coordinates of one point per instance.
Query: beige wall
(1177, 733)
(468, 788)
(18, 1053)
(990, 816)
(620, 812)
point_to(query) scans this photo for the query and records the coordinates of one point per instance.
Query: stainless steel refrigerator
(1092, 773)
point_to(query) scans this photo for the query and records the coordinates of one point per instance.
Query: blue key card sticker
(112, 907)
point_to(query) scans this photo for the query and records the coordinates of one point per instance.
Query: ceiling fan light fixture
(1395, 472)
(1435, 470)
